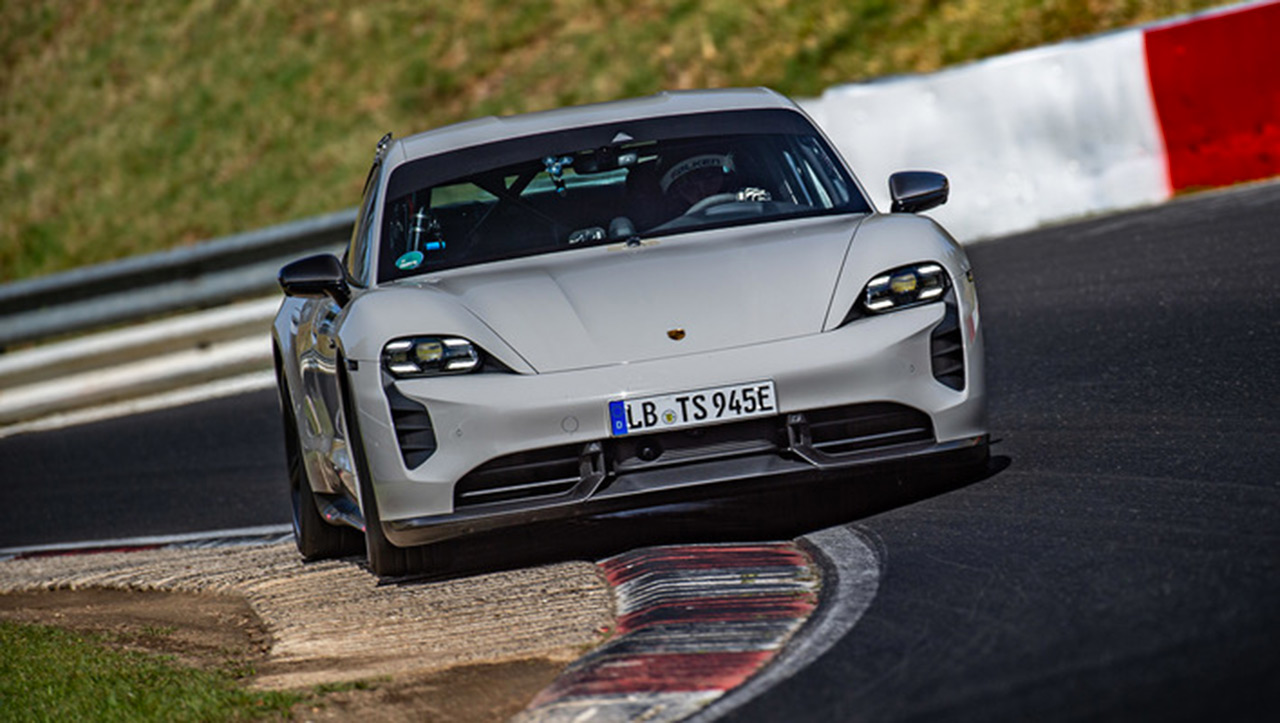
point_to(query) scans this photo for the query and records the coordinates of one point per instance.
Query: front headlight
(422, 356)
(904, 287)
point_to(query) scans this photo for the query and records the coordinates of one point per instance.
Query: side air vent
(537, 473)
(946, 348)
(413, 428)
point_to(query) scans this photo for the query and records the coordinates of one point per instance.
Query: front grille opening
(523, 475)
(413, 428)
(946, 348)
(851, 430)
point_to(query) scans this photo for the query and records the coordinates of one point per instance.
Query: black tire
(385, 559)
(316, 539)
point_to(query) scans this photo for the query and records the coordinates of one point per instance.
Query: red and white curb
(694, 622)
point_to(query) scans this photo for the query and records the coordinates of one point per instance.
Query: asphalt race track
(209, 466)
(1124, 565)
(1120, 561)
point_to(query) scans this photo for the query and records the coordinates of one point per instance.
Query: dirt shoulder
(472, 648)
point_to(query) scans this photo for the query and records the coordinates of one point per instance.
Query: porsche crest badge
(675, 334)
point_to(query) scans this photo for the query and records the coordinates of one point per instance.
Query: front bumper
(722, 477)
(482, 418)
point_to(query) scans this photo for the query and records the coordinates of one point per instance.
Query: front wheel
(385, 559)
(316, 539)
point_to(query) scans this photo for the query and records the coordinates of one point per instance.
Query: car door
(318, 356)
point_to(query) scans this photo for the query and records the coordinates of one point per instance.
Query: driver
(703, 176)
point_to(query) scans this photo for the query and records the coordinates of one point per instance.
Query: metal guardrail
(211, 273)
(97, 376)
(235, 274)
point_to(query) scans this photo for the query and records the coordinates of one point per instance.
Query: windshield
(575, 197)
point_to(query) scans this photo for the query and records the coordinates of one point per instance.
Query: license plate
(688, 409)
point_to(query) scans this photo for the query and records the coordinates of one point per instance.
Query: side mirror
(916, 191)
(315, 276)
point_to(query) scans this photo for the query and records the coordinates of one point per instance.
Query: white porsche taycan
(611, 306)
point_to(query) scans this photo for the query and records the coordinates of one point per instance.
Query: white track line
(855, 567)
(262, 534)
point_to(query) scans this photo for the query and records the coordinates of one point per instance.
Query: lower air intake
(520, 476)
(862, 428)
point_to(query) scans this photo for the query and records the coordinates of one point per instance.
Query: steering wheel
(709, 201)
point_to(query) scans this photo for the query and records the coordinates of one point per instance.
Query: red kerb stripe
(720, 610)
(664, 673)
(623, 568)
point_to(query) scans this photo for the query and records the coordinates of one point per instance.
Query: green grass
(135, 126)
(48, 674)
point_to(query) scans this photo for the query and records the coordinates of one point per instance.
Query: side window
(822, 167)
(358, 251)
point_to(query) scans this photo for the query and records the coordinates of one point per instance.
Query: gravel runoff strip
(332, 621)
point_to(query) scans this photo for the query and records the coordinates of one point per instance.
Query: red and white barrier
(1110, 122)
(1215, 84)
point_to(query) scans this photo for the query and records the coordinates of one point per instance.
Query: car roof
(667, 103)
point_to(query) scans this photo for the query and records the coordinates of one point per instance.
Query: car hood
(616, 304)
